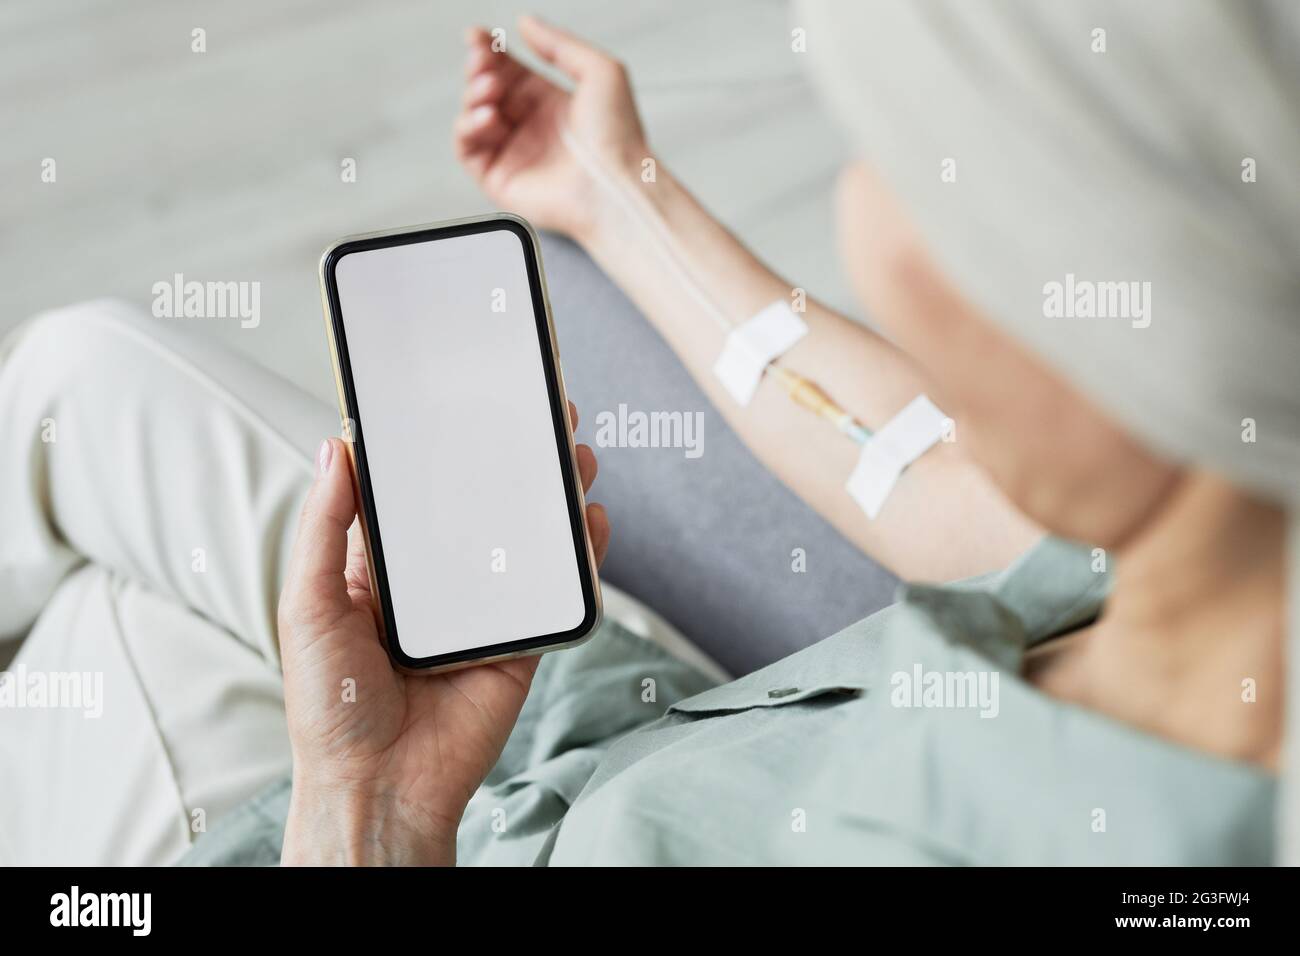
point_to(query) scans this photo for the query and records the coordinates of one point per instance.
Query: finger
(499, 78)
(358, 570)
(478, 60)
(480, 128)
(487, 87)
(598, 529)
(586, 466)
(316, 582)
(482, 60)
(523, 96)
(476, 157)
(573, 416)
(479, 55)
(573, 57)
(514, 90)
(520, 669)
(477, 36)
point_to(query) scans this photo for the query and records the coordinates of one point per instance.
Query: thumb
(574, 57)
(316, 583)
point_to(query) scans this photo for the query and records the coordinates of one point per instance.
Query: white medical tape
(752, 345)
(899, 442)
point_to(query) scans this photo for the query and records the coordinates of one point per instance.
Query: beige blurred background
(225, 165)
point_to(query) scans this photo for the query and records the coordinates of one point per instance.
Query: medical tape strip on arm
(899, 442)
(751, 346)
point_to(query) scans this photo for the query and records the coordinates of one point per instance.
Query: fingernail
(480, 84)
(480, 115)
(324, 456)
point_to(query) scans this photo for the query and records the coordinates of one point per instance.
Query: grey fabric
(706, 542)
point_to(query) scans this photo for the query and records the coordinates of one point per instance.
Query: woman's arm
(943, 520)
(573, 161)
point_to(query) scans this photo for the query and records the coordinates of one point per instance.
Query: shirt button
(782, 692)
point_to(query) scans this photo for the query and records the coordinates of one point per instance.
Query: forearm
(943, 519)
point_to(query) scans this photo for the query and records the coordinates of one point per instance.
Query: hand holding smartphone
(450, 388)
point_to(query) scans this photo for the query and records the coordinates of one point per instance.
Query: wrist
(329, 826)
(634, 185)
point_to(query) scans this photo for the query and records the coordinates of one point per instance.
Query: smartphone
(456, 419)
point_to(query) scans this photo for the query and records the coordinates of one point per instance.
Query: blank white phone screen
(460, 442)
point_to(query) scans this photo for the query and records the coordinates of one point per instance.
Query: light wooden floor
(225, 165)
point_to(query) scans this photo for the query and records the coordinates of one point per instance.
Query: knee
(72, 342)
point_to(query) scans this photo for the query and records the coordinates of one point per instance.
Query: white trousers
(150, 484)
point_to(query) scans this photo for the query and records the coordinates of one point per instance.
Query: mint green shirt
(907, 738)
